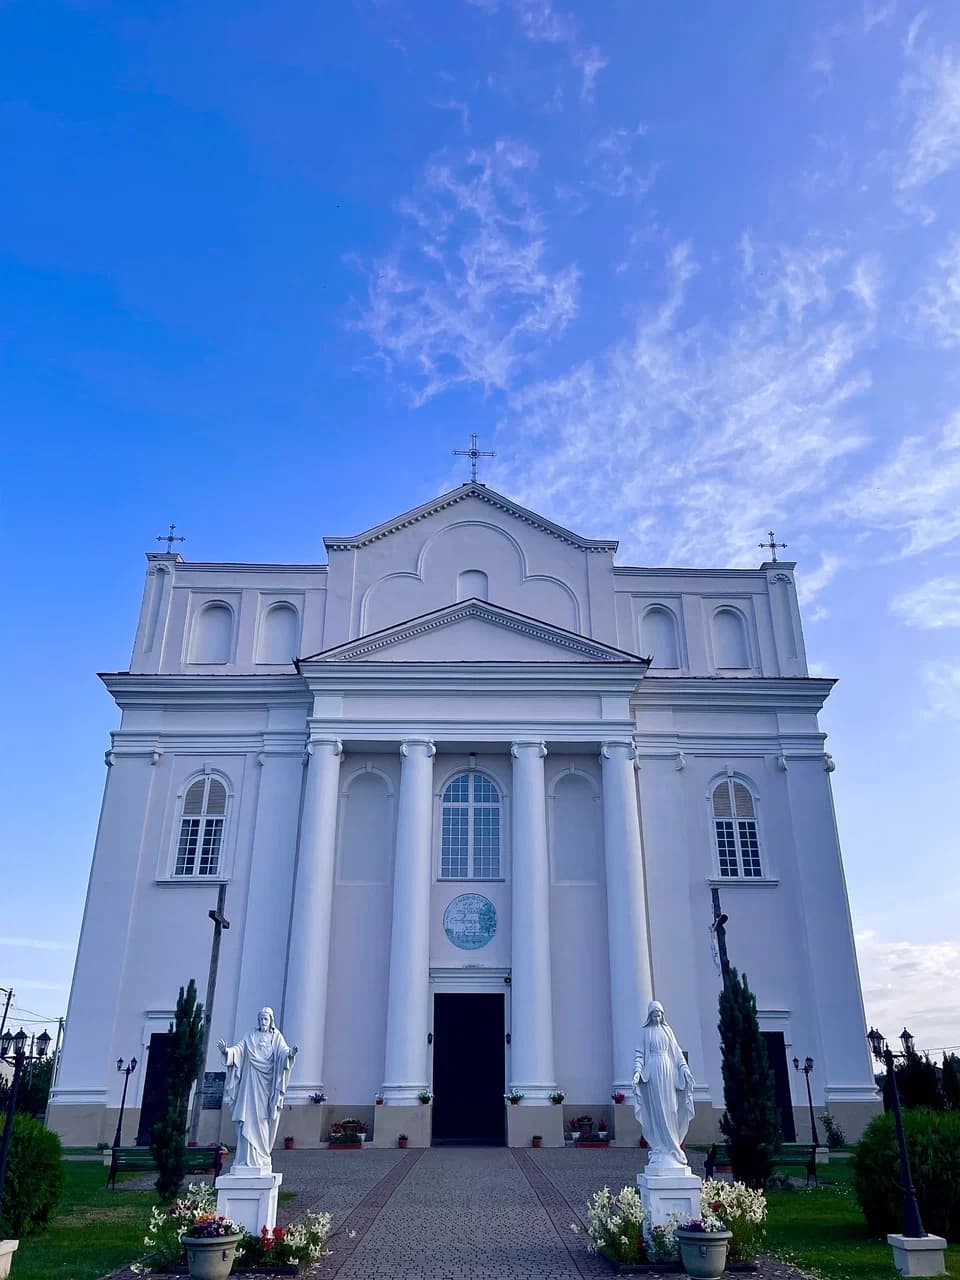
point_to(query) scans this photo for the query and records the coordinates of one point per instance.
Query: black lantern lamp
(6, 1040)
(43, 1043)
(907, 1040)
(806, 1069)
(20, 1042)
(912, 1225)
(131, 1066)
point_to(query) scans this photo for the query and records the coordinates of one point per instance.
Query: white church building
(473, 789)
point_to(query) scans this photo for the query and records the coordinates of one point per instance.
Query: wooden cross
(720, 929)
(771, 546)
(220, 922)
(473, 453)
(170, 538)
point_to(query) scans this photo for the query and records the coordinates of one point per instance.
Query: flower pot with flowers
(537, 1140)
(211, 1245)
(703, 1247)
(741, 1210)
(618, 1096)
(514, 1097)
(557, 1097)
(402, 1141)
(425, 1096)
(288, 1144)
(287, 1250)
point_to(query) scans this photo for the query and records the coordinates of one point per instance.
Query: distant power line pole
(6, 1007)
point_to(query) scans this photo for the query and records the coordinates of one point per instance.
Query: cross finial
(170, 538)
(473, 453)
(771, 546)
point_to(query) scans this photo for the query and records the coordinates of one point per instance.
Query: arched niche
(473, 584)
(212, 638)
(576, 839)
(658, 636)
(366, 830)
(730, 640)
(279, 634)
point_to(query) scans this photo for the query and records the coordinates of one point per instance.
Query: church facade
(477, 794)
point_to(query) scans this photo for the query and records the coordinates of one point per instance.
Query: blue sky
(692, 271)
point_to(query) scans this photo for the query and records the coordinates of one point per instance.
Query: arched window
(735, 829)
(658, 637)
(470, 829)
(279, 634)
(201, 828)
(730, 640)
(212, 638)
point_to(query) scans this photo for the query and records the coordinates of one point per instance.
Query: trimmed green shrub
(933, 1143)
(835, 1135)
(950, 1081)
(34, 1178)
(168, 1141)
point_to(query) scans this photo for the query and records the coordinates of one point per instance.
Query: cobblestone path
(460, 1213)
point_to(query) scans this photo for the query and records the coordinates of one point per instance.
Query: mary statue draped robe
(258, 1069)
(663, 1091)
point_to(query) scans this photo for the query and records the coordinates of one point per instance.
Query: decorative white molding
(495, 615)
(335, 745)
(781, 577)
(828, 762)
(108, 758)
(156, 757)
(611, 745)
(523, 744)
(681, 762)
(450, 499)
(426, 743)
(782, 763)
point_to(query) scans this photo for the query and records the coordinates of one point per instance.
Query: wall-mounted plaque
(212, 1097)
(470, 921)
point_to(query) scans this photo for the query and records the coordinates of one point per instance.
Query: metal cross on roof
(473, 453)
(170, 538)
(771, 546)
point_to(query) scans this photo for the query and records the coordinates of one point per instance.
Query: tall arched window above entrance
(470, 816)
(735, 830)
(200, 837)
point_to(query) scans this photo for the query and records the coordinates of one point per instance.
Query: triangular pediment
(482, 494)
(475, 631)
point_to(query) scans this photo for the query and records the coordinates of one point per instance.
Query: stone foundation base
(415, 1121)
(7, 1249)
(524, 1121)
(249, 1198)
(918, 1257)
(667, 1196)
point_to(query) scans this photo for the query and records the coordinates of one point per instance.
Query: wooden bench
(790, 1155)
(198, 1160)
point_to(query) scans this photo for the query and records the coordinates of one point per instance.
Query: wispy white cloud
(876, 15)
(468, 294)
(613, 166)
(866, 281)
(930, 605)
(915, 492)
(936, 310)
(37, 944)
(691, 437)
(810, 582)
(542, 23)
(914, 984)
(931, 90)
(941, 682)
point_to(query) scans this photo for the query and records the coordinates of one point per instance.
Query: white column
(631, 985)
(531, 1019)
(408, 998)
(308, 960)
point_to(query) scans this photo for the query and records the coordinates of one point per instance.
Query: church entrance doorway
(153, 1104)
(777, 1057)
(468, 1068)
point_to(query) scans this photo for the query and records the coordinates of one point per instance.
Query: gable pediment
(483, 494)
(475, 631)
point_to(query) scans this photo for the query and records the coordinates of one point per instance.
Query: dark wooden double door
(468, 1069)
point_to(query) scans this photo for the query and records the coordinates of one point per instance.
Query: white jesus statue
(663, 1088)
(258, 1069)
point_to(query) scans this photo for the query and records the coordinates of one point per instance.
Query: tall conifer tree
(750, 1123)
(168, 1142)
(950, 1081)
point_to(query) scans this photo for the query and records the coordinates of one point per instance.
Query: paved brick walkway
(460, 1213)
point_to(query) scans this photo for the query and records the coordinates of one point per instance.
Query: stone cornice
(730, 693)
(495, 615)
(191, 691)
(491, 498)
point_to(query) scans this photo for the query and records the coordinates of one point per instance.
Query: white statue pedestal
(918, 1255)
(249, 1197)
(665, 1194)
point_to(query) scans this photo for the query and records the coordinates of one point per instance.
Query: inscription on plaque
(212, 1097)
(470, 921)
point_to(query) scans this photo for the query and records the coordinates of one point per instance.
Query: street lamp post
(912, 1225)
(14, 1048)
(131, 1066)
(807, 1068)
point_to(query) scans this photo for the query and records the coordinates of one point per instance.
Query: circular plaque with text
(470, 921)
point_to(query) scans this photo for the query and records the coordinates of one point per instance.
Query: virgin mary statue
(663, 1089)
(258, 1069)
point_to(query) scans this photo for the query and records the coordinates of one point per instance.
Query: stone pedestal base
(416, 1121)
(626, 1126)
(7, 1249)
(249, 1197)
(822, 1155)
(918, 1256)
(524, 1121)
(668, 1195)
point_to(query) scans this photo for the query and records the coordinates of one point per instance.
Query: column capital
(334, 744)
(528, 744)
(428, 746)
(618, 744)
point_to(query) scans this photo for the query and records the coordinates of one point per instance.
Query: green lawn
(93, 1233)
(822, 1231)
